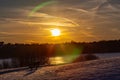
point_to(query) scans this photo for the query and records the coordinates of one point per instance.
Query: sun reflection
(56, 60)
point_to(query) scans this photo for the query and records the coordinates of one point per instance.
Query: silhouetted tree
(24, 54)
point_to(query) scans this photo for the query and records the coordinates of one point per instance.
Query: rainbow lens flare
(41, 5)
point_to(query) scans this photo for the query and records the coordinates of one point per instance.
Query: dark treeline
(23, 54)
(26, 53)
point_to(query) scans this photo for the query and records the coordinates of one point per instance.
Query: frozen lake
(71, 58)
(60, 60)
(108, 55)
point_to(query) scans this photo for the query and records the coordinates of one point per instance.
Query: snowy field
(102, 69)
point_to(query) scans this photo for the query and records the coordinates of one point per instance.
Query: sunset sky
(30, 21)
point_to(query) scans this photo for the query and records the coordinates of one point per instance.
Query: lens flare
(68, 53)
(41, 5)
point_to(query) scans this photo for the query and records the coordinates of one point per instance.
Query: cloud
(45, 19)
(19, 4)
(92, 18)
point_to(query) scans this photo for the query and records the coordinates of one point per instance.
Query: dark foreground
(104, 69)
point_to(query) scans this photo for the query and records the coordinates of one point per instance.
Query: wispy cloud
(89, 19)
(46, 19)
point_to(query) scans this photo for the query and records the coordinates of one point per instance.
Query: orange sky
(78, 20)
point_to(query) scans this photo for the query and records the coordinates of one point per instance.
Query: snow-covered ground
(102, 69)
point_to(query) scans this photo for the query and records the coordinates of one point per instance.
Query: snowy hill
(103, 69)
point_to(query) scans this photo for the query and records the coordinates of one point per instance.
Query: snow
(102, 69)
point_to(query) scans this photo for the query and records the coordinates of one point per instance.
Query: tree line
(26, 53)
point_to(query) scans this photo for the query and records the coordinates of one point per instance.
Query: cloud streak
(89, 19)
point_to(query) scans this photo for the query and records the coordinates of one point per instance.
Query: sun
(55, 32)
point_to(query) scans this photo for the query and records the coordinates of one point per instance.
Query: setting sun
(55, 32)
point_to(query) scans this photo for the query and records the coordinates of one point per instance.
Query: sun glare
(55, 32)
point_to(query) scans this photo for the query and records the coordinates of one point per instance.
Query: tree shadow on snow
(11, 70)
(29, 72)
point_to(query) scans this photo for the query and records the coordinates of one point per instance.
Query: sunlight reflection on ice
(56, 60)
(62, 60)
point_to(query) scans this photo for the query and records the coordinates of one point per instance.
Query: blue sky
(78, 20)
